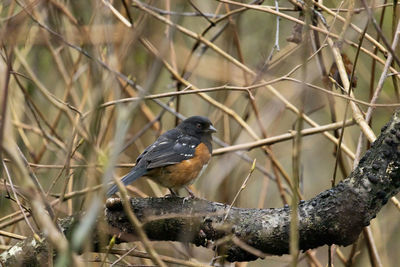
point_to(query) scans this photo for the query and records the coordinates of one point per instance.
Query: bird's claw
(189, 197)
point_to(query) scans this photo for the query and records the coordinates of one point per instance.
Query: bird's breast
(185, 172)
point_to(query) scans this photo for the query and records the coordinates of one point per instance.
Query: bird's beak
(212, 129)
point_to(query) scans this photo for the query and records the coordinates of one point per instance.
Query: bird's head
(197, 126)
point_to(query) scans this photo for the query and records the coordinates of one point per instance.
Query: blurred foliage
(70, 57)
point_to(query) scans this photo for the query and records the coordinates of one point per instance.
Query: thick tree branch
(335, 216)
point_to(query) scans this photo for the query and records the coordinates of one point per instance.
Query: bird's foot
(173, 194)
(190, 196)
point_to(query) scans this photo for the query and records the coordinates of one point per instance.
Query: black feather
(172, 148)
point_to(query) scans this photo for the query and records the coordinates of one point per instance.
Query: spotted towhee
(177, 157)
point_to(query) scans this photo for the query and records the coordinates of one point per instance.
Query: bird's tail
(132, 176)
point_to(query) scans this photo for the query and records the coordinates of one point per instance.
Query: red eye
(198, 126)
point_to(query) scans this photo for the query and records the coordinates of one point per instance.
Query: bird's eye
(198, 125)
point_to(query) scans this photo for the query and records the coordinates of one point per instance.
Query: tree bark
(335, 216)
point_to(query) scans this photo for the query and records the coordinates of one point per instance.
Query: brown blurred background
(70, 57)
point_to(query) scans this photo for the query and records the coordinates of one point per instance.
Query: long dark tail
(132, 176)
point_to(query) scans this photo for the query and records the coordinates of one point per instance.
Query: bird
(176, 158)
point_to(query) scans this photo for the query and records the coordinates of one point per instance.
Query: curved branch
(335, 216)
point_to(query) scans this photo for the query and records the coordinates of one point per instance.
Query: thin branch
(281, 138)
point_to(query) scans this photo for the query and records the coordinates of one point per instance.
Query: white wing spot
(192, 146)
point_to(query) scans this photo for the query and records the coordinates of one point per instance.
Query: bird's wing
(170, 148)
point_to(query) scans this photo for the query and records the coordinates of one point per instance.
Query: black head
(197, 126)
